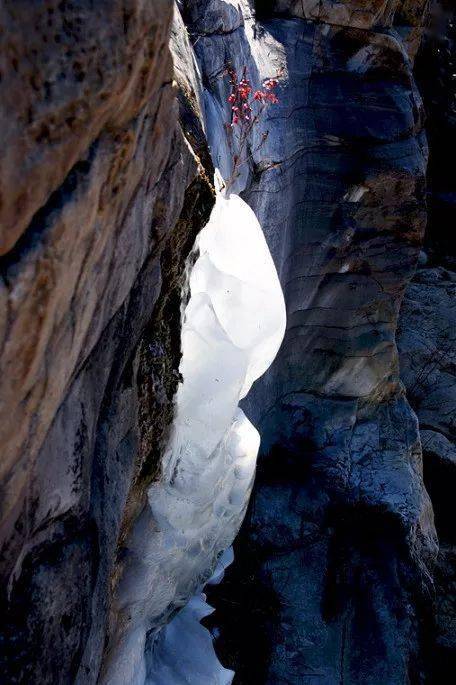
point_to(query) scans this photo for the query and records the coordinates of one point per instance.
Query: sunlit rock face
(405, 15)
(342, 533)
(355, 13)
(233, 326)
(101, 200)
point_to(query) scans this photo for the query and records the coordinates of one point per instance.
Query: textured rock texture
(427, 343)
(341, 528)
(101, 199)
(427, 330)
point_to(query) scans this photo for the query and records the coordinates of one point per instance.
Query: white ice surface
(183, 651)
(233, 326)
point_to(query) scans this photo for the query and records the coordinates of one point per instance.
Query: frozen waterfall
(233, 326)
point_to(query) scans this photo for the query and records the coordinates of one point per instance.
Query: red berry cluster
(267, 95)
(247, 106)
(241, 98)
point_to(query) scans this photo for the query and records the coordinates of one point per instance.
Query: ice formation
(233, 326)
(184, 651)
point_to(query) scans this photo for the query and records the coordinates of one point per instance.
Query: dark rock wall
(340, 541)
(436, 75)
(101, 199)
(427, 326)
(426, 339)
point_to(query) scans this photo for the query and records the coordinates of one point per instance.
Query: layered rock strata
(340, 541)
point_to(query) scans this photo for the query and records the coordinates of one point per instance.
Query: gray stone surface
(340, 540)
(355, 13)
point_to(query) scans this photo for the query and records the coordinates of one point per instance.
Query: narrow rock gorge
(115, 121)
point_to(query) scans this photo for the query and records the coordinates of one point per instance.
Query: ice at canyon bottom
(233, 326)
(184, 652)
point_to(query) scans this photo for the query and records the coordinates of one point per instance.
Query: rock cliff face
(103, 189)
(102, 198)
(341, 526)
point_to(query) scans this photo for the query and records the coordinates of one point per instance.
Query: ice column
(233, 326)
